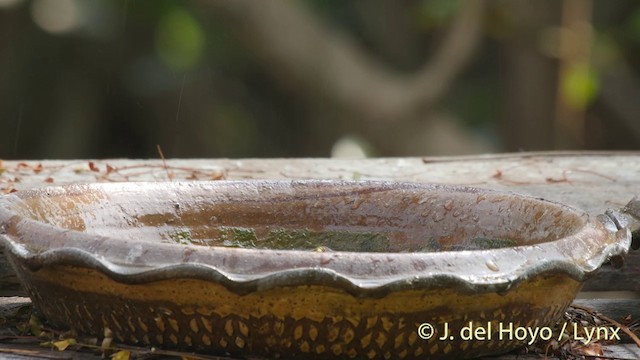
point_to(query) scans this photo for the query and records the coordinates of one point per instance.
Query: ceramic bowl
(303, 269)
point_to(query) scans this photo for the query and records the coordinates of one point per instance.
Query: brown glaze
(300, 269)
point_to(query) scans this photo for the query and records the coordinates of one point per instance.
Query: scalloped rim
(477, 280)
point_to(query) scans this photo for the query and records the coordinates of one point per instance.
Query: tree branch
(305, 53)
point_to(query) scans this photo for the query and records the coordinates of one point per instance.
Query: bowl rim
(577, 255)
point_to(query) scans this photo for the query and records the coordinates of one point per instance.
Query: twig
(164, 162)
(610, 178)
(611, 321)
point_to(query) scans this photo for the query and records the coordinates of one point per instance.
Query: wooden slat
(613, 308)
(9, 285)
(623, 279)
(617, 352)
(623, 352)
(24, 352)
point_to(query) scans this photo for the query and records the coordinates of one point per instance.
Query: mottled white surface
(591, 181)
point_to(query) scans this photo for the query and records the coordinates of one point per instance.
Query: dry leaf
(35, 325)
(593, 349)
(122, 355)
(62, 345)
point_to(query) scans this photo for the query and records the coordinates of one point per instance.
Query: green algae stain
(238, 237)
(181, 236)
(303, 239)
(327, 241)
(482, 243)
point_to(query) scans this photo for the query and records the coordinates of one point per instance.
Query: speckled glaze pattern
(107, 256)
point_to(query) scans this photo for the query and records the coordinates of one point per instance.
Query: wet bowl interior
(300, 269)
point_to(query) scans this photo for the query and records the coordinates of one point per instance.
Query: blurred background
(300, 78)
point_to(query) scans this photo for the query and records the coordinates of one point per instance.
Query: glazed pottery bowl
(303, 269)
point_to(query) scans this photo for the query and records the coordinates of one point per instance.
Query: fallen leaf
(122, 355)
(35, 325)
(62, 345)
(93, 167)
(593, 349)
(217, 176)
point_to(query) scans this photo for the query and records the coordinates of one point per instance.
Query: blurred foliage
(579, 86)
(434, 13)
(633, 25)
(133, 74)
(179, 39)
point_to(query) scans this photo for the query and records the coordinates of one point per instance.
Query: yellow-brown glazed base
(316, 322)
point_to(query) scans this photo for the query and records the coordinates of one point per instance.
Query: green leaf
(633, 26)
(579, 86)
(179, 39)
(433, 13)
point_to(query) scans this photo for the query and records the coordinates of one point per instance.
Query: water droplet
(492, 266)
